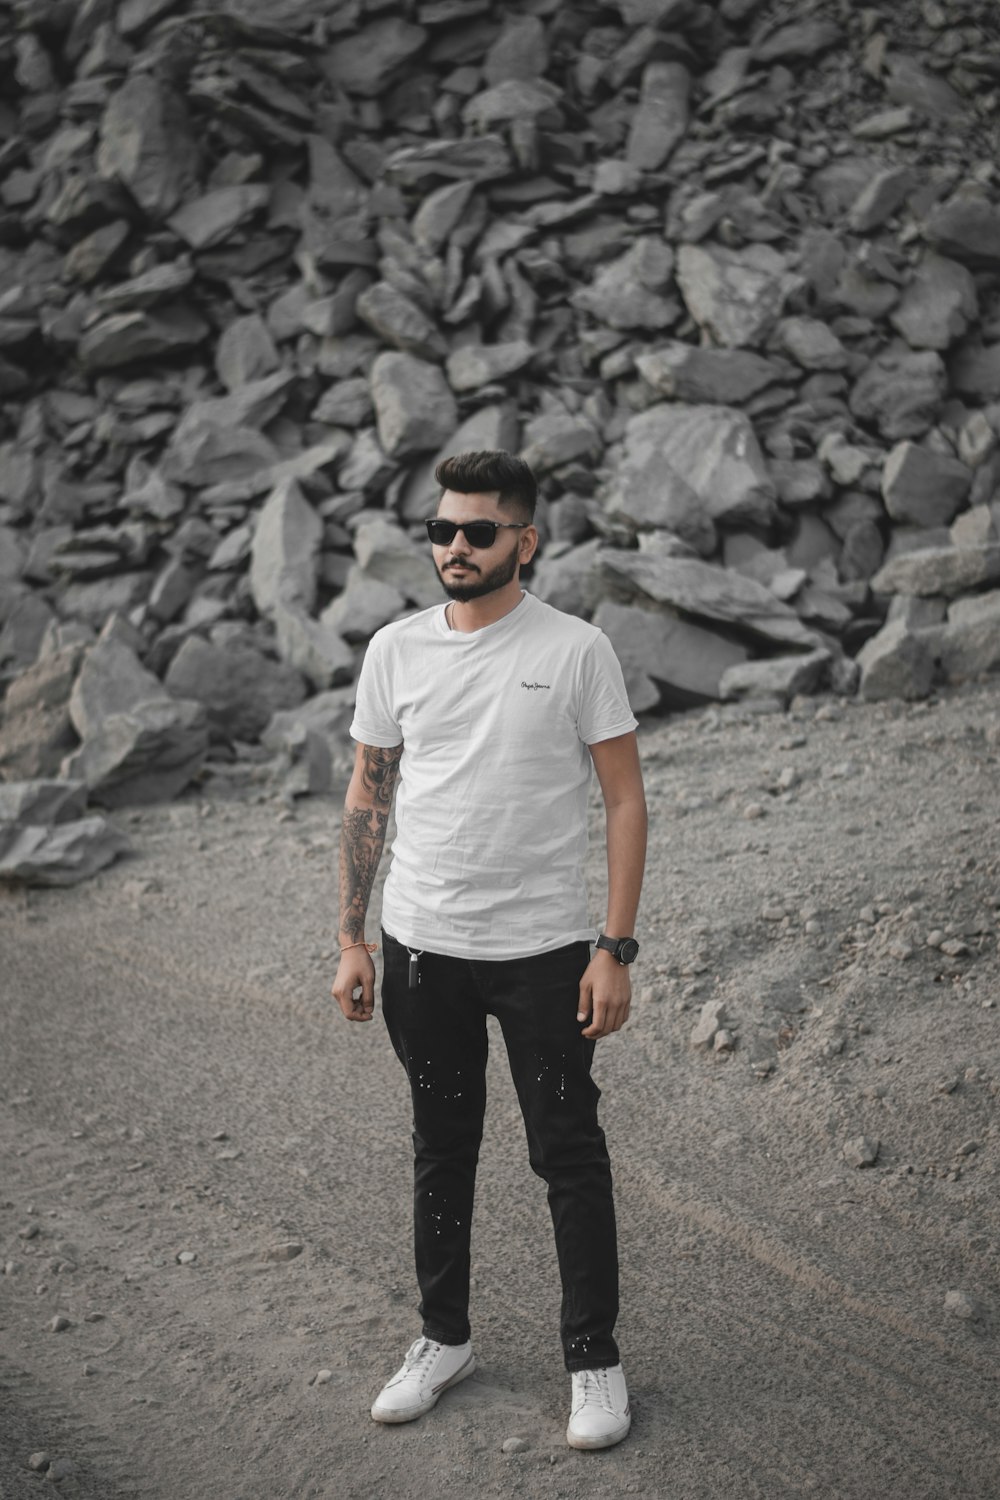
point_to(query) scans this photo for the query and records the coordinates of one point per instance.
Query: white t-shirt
(491, 801)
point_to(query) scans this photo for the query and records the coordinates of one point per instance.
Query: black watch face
(628, 951)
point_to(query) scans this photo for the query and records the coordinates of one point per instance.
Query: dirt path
(176, 1080)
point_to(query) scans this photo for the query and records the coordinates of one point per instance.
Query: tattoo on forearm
(379, 771)
(363, 836)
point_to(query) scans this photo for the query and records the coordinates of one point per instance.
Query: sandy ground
(175, 1079)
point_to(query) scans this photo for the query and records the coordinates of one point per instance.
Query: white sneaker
(600, 1415)
(428, 1369)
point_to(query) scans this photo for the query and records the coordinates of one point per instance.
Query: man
(488, 712)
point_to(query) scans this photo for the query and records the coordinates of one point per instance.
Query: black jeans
(438, 1030)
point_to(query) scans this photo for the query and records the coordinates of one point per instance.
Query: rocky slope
(726, 275)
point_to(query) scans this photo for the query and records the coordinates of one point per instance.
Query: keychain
(414, 971)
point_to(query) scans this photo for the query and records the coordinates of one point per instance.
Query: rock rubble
(727, 276)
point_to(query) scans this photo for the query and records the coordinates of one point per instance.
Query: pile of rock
(727, 276)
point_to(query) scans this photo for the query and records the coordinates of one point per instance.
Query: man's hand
(605, 995)
(355, 973)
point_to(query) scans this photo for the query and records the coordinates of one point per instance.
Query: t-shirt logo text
(534, 686)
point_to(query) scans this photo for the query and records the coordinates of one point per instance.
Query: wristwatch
(624, 949)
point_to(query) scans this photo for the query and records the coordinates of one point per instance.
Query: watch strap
(617, 945)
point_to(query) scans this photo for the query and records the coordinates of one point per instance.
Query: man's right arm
(366, 817)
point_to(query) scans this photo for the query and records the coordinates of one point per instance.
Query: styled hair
(488, 470)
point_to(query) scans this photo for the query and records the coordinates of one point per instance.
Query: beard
(476, 587)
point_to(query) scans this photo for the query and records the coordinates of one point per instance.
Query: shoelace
(595, 1389)
(421, 1353)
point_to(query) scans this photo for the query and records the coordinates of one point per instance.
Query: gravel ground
(177, 1081)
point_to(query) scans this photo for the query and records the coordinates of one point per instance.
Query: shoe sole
(587, 1444)
(410, 1413)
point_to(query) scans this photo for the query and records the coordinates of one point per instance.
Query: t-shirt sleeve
(604, 707)
(374, 722)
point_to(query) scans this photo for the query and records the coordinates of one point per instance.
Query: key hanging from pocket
(413, 976)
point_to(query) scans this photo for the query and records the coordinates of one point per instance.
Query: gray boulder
(42, 801)
(520, 51)
(93, 600)
(648, 492)
(400, 322)
(12, 557)
(916, 613)
(633, 290)
(557, 438)
(706, 592)
(414, 406)
(661, 116)
(799, 481)
(440, 213)
(684, 372)
(975, 371)
(977, 527)
(782, 677)
(475, 365)
(147, 144)
(468, 159)
(862, 553)
(29, 617)
(111, 680)
(252, 404)
(494, 426)
(245, 352)
(210, 219)
(347, 403)
(968, 644)
(173, 589)
(736, 296)
(37, 730)
(922, 487)
(966, 227)
(900, 391)
(745, 553)
(880, 198)
(688, 468)
(312, 648)
(363, 606)
(514, 99)
(385, 552)
(570, 579)
(240, 688)
(365, 62)
(148, 754)
(220, 455)
(797, 40)
(895, 663)
(666, 661)
(130, 337)
(159, 285)
(939, 570)
(90, 256)
(246, 482)
(811, 344)
(62, 855)
(285, 552)
(938, 305)
(308, 763)
(367, 467)
(327, 714)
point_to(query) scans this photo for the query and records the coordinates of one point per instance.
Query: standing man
(489, 712)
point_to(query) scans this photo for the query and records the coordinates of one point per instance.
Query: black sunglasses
(478, 534)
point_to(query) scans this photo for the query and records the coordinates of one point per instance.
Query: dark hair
(488, 470)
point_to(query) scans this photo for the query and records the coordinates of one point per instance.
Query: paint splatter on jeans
(438, 1030)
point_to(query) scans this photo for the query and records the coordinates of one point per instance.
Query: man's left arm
(605, 988)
